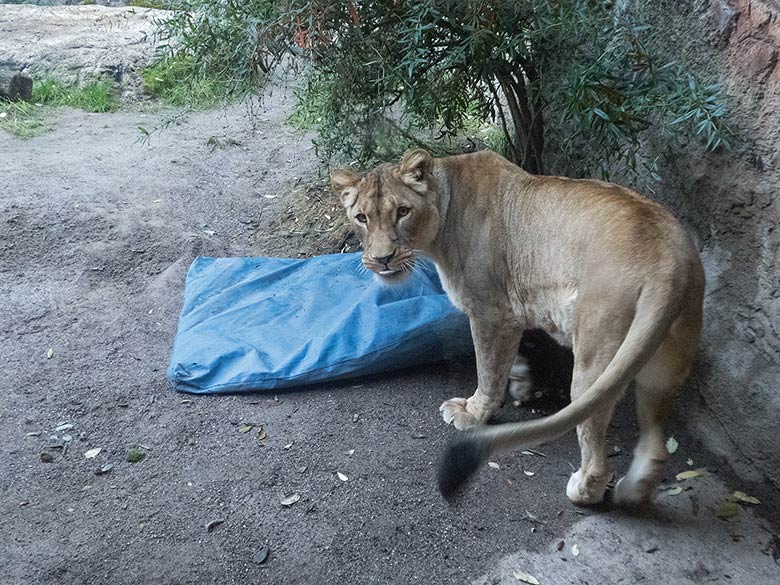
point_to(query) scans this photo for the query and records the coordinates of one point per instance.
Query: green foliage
(97, 96)
(221, 39)
(175, 81)
(606, 103)
(378, 75)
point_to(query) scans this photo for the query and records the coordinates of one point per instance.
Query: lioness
(601, 268)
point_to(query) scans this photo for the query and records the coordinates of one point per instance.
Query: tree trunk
(526, 117)
(15, 86)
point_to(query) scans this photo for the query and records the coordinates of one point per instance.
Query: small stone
(47, 457)
(103, 469)
(261, 555)
(55, 442)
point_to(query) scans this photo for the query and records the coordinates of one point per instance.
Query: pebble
(261, 555)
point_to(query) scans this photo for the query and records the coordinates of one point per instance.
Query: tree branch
(500, 109)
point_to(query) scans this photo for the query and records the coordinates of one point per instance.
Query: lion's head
(393, 210)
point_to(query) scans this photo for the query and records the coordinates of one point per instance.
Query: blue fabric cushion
(262, 323)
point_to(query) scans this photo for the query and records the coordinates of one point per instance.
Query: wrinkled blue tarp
(263, 323)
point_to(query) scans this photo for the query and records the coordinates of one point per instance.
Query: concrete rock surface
(683, 543)
(730, 201)
(76, 44)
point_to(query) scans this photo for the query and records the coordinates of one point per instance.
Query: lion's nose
(384, 259)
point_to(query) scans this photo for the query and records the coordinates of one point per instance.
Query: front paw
(460, 413)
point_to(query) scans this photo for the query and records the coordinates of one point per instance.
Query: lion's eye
(361, 217)
(403, 211)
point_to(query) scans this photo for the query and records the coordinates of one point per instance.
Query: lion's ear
(344, 184)
(414, 166)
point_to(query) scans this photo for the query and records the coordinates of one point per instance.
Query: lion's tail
(656, 309)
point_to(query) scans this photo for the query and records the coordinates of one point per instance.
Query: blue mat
(263, 323)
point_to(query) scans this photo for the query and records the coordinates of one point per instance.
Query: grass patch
(159, 4)
(98, 96)
(29, 119)
(176, 81)
(22, 119)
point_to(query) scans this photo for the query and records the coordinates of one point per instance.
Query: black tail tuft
(461, 459)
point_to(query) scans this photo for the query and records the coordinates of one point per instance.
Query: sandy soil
(96, 234)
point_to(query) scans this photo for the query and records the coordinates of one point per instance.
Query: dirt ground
(96, 234)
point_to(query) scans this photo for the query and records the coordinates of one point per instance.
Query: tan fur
(596, 265)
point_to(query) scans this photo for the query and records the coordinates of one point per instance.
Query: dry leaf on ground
(92, 453)
(524, 577)
(671, 445)
(288, 501)
(341, 476)
(743, 497)
(690, 474)
(211, 526)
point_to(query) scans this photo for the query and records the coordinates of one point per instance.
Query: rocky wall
(730, 200)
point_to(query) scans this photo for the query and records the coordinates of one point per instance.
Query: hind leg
(638, 486)
(656, 386)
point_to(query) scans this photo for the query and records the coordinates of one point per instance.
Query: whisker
(361, 268)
